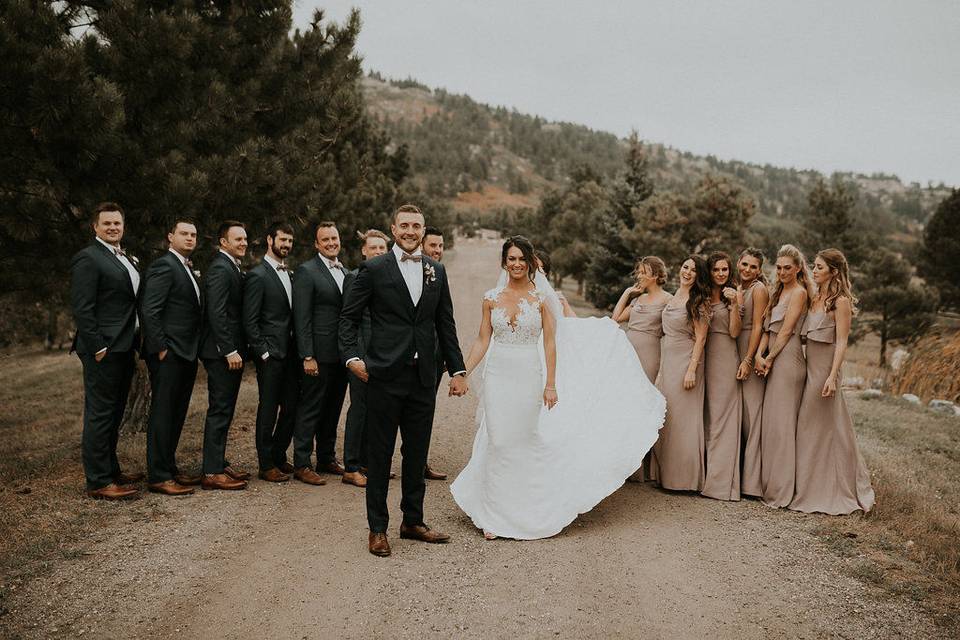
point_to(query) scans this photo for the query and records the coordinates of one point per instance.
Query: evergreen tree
(612, 258)
(940, 254)
(829, 219)
(896, 308)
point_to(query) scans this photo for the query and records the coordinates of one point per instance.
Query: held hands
(550, 399)
(357, 368)
(310, 367)
(689, 379)
(234, 362)
(763, 366)
(458, 386)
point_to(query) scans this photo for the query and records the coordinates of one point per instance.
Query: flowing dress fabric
(831, 475)
(752, 391)
(781, 404)
(532, 471)
(678, 457)
(723, 408)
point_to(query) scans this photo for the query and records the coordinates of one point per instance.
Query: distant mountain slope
(486, 158)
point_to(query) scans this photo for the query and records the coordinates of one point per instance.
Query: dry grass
(933, 368)
(43, 510)
(911, 540)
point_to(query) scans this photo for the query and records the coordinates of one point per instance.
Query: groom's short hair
(406, 208)
(105, 206)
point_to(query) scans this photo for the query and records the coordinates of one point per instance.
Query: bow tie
(406, 256)
(335, 264)
(189, 263)
(119, 252)
(236, 261)
(282, 267)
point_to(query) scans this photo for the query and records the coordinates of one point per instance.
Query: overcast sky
(849, 85)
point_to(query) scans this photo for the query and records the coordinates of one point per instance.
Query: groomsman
(172, 314)
(354, 432)
(432, 246)
(268, 323)
(103, 292)
(317, 298)
(223, 351)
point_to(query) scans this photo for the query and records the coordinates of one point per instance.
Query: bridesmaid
(643, 317)
(753, 286)
(677, 461)
(831, 476)
(721, 362)
(785, 380)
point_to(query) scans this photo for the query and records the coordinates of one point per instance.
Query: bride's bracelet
(549, 388)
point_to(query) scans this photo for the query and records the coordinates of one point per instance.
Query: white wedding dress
(534, 470)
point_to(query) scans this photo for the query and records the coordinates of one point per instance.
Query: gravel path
(290, 561)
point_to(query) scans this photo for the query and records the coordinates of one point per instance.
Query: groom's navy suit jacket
(399, 330)
(104, 302)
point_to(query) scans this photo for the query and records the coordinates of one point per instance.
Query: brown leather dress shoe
(430, 474)
(355, 478)
(331, 467)
(113, 492)
(423, 533)
(222, 481)
(379, 545)
(187, 479)
(170, 488)
(235, 473)
(309, 476)
(129, 478)
(274, 475)
(286, 467)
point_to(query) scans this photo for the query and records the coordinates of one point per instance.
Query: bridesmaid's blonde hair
(657, 267)
(803, 276)
(839, 284)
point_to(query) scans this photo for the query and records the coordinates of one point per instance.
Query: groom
(411, 312)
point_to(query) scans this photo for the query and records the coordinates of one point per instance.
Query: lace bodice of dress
(525, 328)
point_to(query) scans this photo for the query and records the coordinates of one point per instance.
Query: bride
(561, 426)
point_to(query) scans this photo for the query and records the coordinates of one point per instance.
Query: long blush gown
(752, 391)
(644, 330)
(533, 470)
(723, 407)
(831, 475)
(677, 462)
(781, 403)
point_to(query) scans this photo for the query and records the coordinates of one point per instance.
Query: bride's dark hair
(526, 248)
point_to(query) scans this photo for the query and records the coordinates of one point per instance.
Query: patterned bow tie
(406, 256)
(236, 261)
(335, 264)
(119, 252)
(189, 263)
(282, 267)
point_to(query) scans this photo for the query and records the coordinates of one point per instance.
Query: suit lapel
(393, 267)
(327, 276)
(113, 259)
(275, 277)
(182, 269)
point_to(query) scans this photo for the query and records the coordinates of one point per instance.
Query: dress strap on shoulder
(493, 294)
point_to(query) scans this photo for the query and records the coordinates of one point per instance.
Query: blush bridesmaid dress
(831, 475)
(723, 407)
(752, 392)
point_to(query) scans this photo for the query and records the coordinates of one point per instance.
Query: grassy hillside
(485, 158)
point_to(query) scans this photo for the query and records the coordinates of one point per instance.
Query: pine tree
(940, 254)
(829, 219)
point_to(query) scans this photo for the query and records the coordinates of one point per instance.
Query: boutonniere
(196, 273)
(134, 259)
(429, 273)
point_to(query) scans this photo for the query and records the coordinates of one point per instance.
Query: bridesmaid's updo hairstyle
(757, 255)
(698, 304)
(526, 248)
(839, 284)
(712, 260)
(657, 267)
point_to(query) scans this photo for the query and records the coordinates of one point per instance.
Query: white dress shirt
(125, 261)
(284, 278)
(193, 280)
(412, 272)
(335, 271)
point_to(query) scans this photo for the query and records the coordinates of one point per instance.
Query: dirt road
(290, 561)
